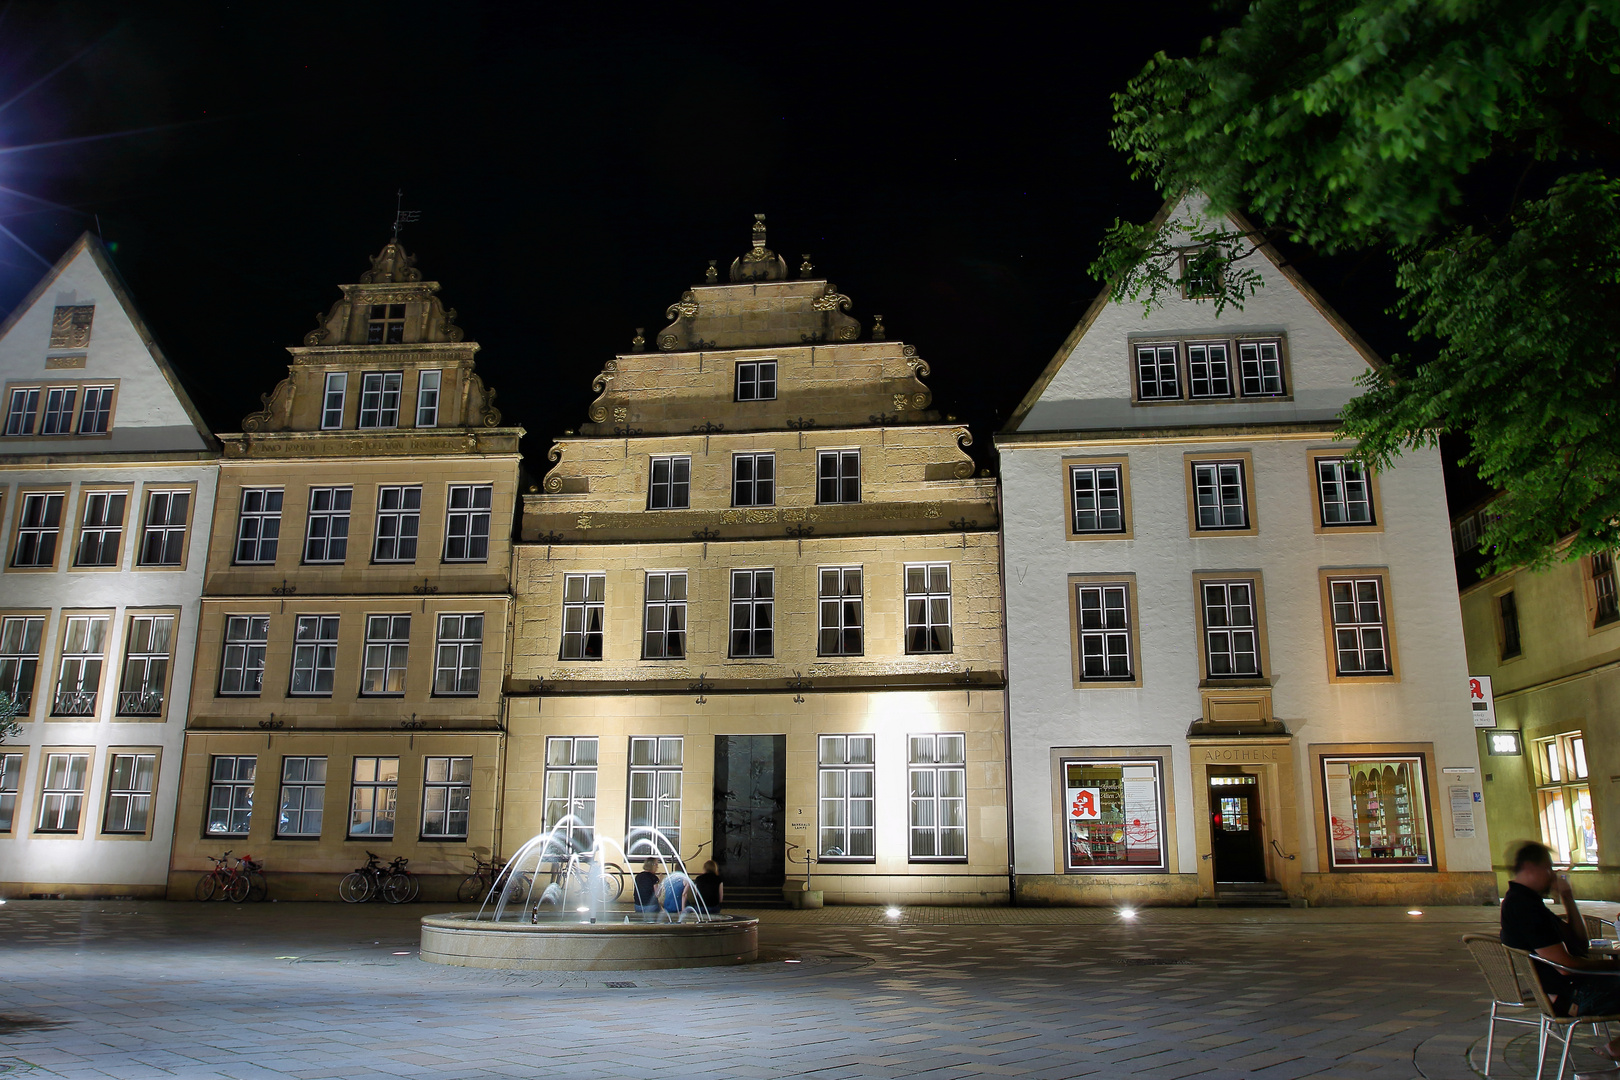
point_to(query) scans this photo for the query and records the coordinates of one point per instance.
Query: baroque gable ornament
(759, 263)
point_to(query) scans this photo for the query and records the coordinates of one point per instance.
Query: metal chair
(1506, 990)
(1596, 927)
(1553, 1026)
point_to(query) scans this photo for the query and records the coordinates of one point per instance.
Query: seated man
(1529, 924)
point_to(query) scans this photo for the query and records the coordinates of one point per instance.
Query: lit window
(756, 380)
(242, 668)
(1231, 630)
(39, 528)
(1157, 376)
(259, 527)
(655, 798)
(842, 616)
(753, 480)
(95, 416)
(1104, 615)
(753, 609)
(1346, 496)
(583, 615)
(63, 801)
(1218, 495)
(399, 516)
(303, 796)
(59, 406)
(373, 797)
(938, 782)
(1209, 371)
(230, 795)
(146, 665)
(1360, 637)
(1112, 816)
(20, 413)
(163, 538)
(385, 324)
(446, 797)
(670, 485)
(847, 786)
(1098, 498)
(467, 524)
(326, 540)
(427, 399)
(838, 476)
(130, 782)
(1564, 798)
(1260, 365)
(570, 792)
(388, 639)
(19, 659)
(337, 386)
(102, 529)
(1377, 812)
(928, 608)
(83, 652)
(314, 654)
(379, 398)
(460, 655)
(665, 617)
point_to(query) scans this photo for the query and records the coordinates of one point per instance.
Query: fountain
(559, 905)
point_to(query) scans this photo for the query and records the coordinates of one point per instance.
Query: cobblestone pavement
(133, 990)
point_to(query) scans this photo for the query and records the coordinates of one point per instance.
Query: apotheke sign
(1482, 701)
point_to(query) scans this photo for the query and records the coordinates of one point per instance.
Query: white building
(1236, 662)
(107, 478)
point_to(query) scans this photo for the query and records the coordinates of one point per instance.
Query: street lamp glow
(893, 913)
(1127, 913)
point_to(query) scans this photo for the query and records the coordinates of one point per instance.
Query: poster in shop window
(1111, 814)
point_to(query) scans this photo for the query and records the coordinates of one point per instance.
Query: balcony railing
(24, 700)
(140, 702)
(75, 703)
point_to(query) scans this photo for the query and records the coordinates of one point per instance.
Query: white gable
(1088, 384)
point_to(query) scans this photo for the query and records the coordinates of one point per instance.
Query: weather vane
(403, 216)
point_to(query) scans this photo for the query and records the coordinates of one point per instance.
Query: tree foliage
(9, 710)
(1473, 142)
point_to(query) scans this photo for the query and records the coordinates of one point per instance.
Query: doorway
(750, 800)
(1236, 841)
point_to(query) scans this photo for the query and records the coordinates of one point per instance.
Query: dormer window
(387, 324)
(379, 399)
(756, 380)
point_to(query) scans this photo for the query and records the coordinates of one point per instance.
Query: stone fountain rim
(469, 920)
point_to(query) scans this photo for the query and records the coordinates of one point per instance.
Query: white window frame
(1209, 362)
(921, 588)
(64, 780)
(1104, 624)
(446, 797)
(163, 532)
(333, 399)
(753, 490)
(373, 796)
(257, 513)
(39, 527)
(387, 649)
(674, 491)
(458, 653)
(21, 410)
(1353, 630)
(846, 820)
(84, 654)
(753, 379)
(657, 762)
(61, 407)
(246, 638)
(584, 616)
(329, 510)
(10, 789)
(1231, 612)
(230, 794)
(841, 620)
(101, 528)
(838, 474)
(1214, 482)
(428, 385)
(95, 410)
(315, 641)
(148, 659)
(664, 616)
(380, 393)
(399, 521)
(936, 789)
(1157, 372)
(570, 788)
(1099, 496)
(131, 781)
(753, 613)
(467, 523)
(1259, 367)
(303, 782)
(20, 639)
(1345, 484)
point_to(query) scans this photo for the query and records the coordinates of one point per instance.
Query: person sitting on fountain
(711, 891)
(647, 889)
(676, 886)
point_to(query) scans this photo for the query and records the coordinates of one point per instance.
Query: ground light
(893, 913)
(1414, 911)
(1127, 913)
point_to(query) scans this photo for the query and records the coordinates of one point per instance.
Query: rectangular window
(1113, 813)
(1507, 609)
(19, 659)
(938, 773)
(1378, 812)
(664, 633)
(59, 406)
(583, 612)
(1219, 496)
(1606, 609)
(82, 654)
(303, 797)
(1157, 376)
(1209, 370)
(928, 608)
(230, 795)
(427, 399)
(570, 791)
(242, 668)
(379, 398)
(838, 476)
(1231, 630)
(163, 537)
(460, 654)
(1097, 499)
(753, 601)
(843, 619)
(388, 639)
(10, 784)
(314, 654)
(847, 791)
(146, 665)
(446, 797)
(131, 779)
(655, 797)
(670, 485)
(259, 526)
(386, 324)
(39, 526)
(1564, 799)
(756, 380)
(20, 412)
(373, 797)
(102, 529)
(337, 388)
(1260, 365)
(95, 415)
(1346, 495)
(753, 479)
(60, 809)
(326, 540)
(1360, 633)
(466, 536)
(399, 516)
(1103, 614)
(1200, 274)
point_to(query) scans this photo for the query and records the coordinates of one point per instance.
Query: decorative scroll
(599, 411)
(964, 468)
(261, 420)
(553, 482)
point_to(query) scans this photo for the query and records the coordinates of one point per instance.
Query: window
(10, 783)
(19, 659)
(259, 526)
(571, 791)
(582, 616)
(467, 525)
(59, 405)
(446, 798)
(1507, 609)
(1564, 799)
(753, 480)
(38, 527)
(327, 538)
(1113, 813)
(337, 388)
(374, 796)
(1104, 631)
(753, 595)
(20, 412)
(242, 669)
(1360, 633)
(102, 528)
(1344, 491)
(427, 399)
(1231, 629)
(146, 665)
(399, 515)
(670, 485)
(303, 797)
(1219, 495)
(388, 639)
(664, 633)
(163, 539)
(1097, 501)
(82, 653)
(1605, 608)
(386, 325)
(928, 608)
(230, 795)
(130, 781)
(314, 654)
(1260, 365)
(59, 810)
(1209, 370)
(1157, 376)
(655, 797)
(756, 380)
(379, 398)
(838, 476)
(842, 617)
(95, 415)
(460, 654)
(938, 774)
(70, 326)
(847, 787)
(1378, 812)
(1200, 274)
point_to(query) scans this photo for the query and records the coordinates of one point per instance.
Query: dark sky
(947, 167)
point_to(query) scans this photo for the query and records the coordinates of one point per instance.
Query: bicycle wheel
(206, 886)
(471, 888)
(416, 888)
(397, 889)
(258, 887)
(612, 883)
(237, 890)
(355, 888)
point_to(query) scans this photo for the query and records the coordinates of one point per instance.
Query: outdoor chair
(1596, 927)
(1506, 990)
(1553, 1026)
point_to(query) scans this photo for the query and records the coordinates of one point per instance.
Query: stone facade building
(758, 610)
(355, 611)
(106, 490)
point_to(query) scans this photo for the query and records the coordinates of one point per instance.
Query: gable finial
(402, 216)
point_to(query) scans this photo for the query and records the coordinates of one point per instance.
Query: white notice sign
(1462, 811)
(1481, 701)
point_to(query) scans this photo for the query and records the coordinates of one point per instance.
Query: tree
(9, 710)
(1467, 140)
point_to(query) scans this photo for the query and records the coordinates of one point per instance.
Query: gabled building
(106, 491)
(1236, 663)
(347, 695)
(759, 613)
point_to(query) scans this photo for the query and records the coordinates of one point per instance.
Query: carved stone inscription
(70, 327)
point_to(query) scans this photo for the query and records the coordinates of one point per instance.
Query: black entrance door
(750, 797)
(1234, 829)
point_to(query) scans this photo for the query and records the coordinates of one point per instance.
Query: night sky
(575, 172)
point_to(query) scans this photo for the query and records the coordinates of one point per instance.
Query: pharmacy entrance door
(1236, 843)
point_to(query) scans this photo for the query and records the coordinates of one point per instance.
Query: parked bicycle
(242, 880)
(251, 870)
(476, 885)
(380, 881)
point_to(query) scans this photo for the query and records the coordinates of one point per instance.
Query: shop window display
(1378, 812)
(1113, 813)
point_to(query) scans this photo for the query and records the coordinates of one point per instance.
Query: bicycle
(258, 887)
(222, 881)
(568, 876)
(401, 886)
(476, 885)
(365, 882)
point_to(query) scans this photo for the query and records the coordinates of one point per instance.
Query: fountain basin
(463, 939)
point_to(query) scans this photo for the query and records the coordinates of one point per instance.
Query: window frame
(236, 787)
(1077, 674)
(423, 390)
(461, 643)
(584, 607)
(131, 793)
(1256, 583)
(1245, 460)
(936, 768)
(754, 603)
(1596, 620)
(1109, 758)
(471, 512)
(315, 647)
(1135, 348)
(13, 768)
(659, 769)
(1390, 754)
(86, 493)
(22, 410)
(450, 786)
(665, 606)
(683, 487)
(397, 516)
(106, 393)
(754, 482)
(381, 409)
(389, 328)
(1507, 636)
(34, 408)
(840, 603)
(756, 365)
(63, 524)
(845, 767)
(65, 626)
(39, 656)
(929, 596)
(1555, 774)
(1327, 576)
(336, 383)
(375, 785)
(45, 790)
(571, 771)
(331, 515)
(247, 645)
(1187, 347)
(148, 494)
(389, 643)
(841, 458)
(1284, 368)
(1319, 524)
(304, 785)
(132, 616)
(1119, 462)
(244, 515)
